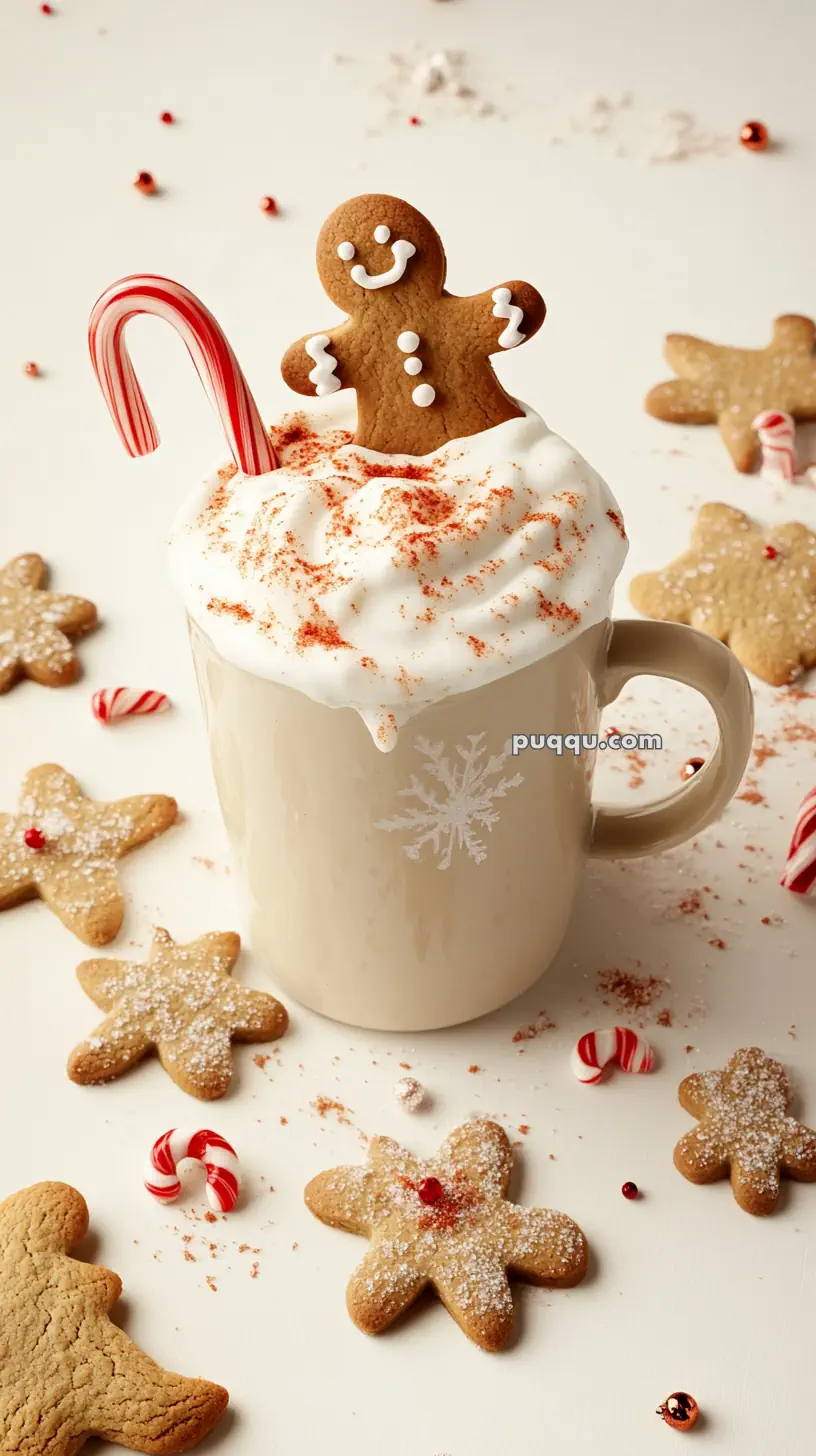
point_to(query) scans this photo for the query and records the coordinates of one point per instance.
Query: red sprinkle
(167, 117)
(269, 205)
(34, 839)
(46, 10)
(429, 1190)
(770, 553)
(414, 121)
(144, 182)
(630, 1190)
(31, 369)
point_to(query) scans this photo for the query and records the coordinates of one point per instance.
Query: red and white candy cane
(205, 1146)
(218, 368)
(800, 870)
(112, 703)
(617, 1044)
(777, 436)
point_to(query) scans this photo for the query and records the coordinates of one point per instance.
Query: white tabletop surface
(302, 102)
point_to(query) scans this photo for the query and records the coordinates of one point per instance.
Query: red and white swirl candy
(112, 703)
(777, 436)
(205, 1146)
(800, 870)
(596, 1049)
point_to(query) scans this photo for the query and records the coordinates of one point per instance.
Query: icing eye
(382, 233)
(346, 251)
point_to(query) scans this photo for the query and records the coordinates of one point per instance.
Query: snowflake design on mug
(449, 820)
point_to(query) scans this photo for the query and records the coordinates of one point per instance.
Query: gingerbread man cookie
(730, 387)
(36, 626)
(754, 589)
(67, 1372)
(745, 1128)
(418, 357)
(446, 1223)
(63, 847)
(184, 1005)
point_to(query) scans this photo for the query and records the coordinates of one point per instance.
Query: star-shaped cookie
(745, 1128)
(36, 626)
(753, 588)
(74, 843)
(66, 1371)
(730, 387)
(446, 1223)
(183, 1004)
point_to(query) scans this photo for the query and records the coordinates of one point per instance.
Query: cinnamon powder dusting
(320, 631)
(617, 523)
(239, 611)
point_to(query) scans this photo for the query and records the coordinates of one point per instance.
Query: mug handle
(666, 649)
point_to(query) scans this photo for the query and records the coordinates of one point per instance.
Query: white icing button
(423, 395)
(382, 233)
(346, 251)
(413, 365)
(408, 341)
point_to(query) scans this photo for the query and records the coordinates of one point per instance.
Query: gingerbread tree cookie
(418, 357)
(36, 626)
(446, 1223)
(67, 1372)
(182, 1004)
(730, 387)
(745, 1129)
(753, 588)
(63, 847)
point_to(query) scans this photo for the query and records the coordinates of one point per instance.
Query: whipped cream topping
(387, 582)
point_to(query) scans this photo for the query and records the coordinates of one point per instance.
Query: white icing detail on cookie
(346, 251)
(413, 365)
(323, 375)
(402, 251)
(381, 233)
(523, 513)
(512, 335)
(423, 395)
(408, 341)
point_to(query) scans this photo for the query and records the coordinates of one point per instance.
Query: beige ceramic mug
(427, 886)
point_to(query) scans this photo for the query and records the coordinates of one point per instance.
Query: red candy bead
(429, 1190)
(144, 182)
(754, 136)
(680, 1411)
(414, 121)
(34, 839)
(770, 553)
(46, 10)
(630, 1190)
(167, 117)
(691, 767)
(269, 205)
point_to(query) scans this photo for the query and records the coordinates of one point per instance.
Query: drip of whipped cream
(387, 582)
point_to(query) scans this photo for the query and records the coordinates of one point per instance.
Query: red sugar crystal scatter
(269, 206)
(770, 553)
(34, 839)
(429, 1190)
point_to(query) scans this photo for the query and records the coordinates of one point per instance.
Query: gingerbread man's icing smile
(402, 323)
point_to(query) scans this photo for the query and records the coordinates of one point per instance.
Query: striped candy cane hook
(205, 1146)
(800, 871)
(217, 366)
(618, 1044)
